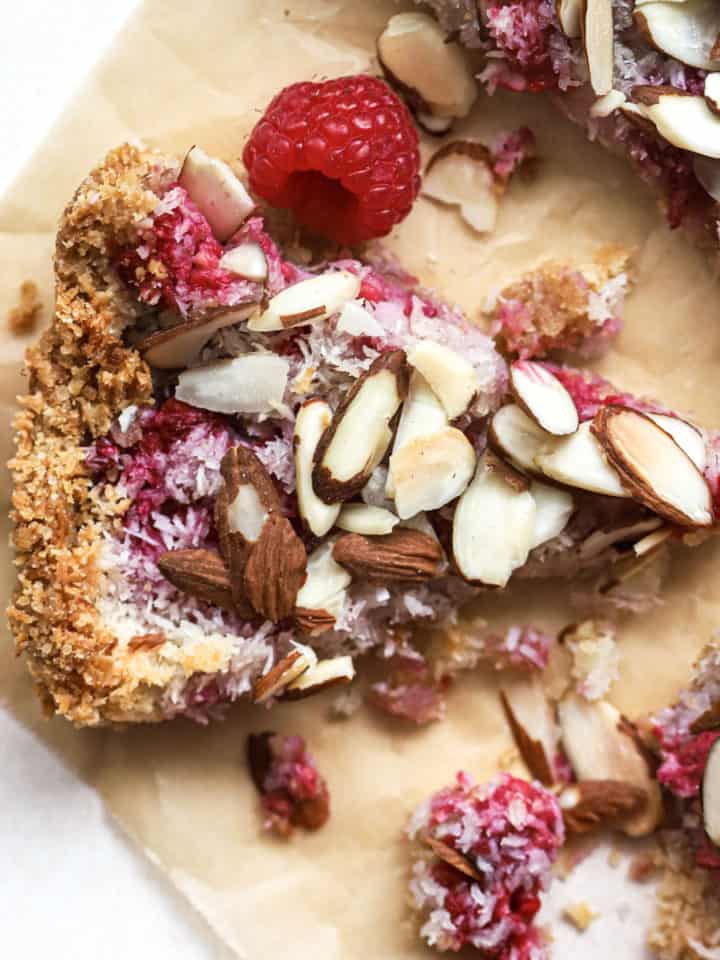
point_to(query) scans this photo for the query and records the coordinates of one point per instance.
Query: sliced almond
(403, 556)
(357, 321)
(325, 587)
(308, 301)
(431, 470)
(214, 188)
(579, 461)
(684, 120)
(336, 671)
(290, 668)
(460, 174)
(422, 414)
(516, 437)
(451, 377)
(312, 420)
(570, 15)
(553, 509)
(607, 104)
(688, 437)
(711, 794)
(541, 395)
(707, 172)
(712, 90)
(414, 51)
(359, 434)
(493, 524)
(653, 467)
(176, 347)
(247, 260)
(599, 540)
(435, 126)
(252, 383)
(366, 519)
(651, 542)
(275, 569)
(685, 31)
(533, 725)
(597, 803)
(599, 747)
(452, 857)
(598, 39)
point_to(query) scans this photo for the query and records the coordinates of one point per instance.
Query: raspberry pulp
(342, 155)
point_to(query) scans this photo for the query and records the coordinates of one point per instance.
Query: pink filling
(683, 761)
(591, 392)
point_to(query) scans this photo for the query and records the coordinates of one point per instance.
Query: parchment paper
(183, 73)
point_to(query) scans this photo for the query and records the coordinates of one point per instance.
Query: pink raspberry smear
(342, 155)
(509, 833)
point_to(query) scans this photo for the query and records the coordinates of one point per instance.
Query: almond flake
(684, 31)
(579, 461)
(517, 438)
(711, 794)
(336, 671)
(314, 299)
(684, 120)
(312, 420)
(421, 414)
(451, 377)
(460, 174)
(653, 467)
(707, 172)
(325, 587)
(290, 668)
(712, 92)
(217, 192)
(570, 14)
(366, 519)
(493, 524)
(359, 434)
(543, 398)
(553, 509)
(598, 39)
(451, 856)
(176, 347)
(533, 726)
(251, 383)
(431, 470)
(598, 803)
(357, 321)
(688, 437)
(247, 260)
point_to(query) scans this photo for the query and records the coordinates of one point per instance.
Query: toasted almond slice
(312, 420)
(553, 509)
(541, 395)
(686, 31)
(357, 321)
(285, 671)
(308, 301)
(688, 437)
(599, 747)
(177, 346)
(247, 260)
(336, 671)
(653, 467)
(359, 434)
(326, 584)
(711, 794)
(422, 414)
(251, 383)
(684, 120)
(601, 539)
(608, 104)
(712, 90)
(451, 377)
(435, 126)
(516, 437)
(366, 519)
(218, 193)
(598, 39)
(493, 524)
(598, 803)
(533, 725)
(431, 470)
(460, 174)
(707, 172)
(413, 50)
(452, 857)
(579, 461)
(570, 14)
(652, 541)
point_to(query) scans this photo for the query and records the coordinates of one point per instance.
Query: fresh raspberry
(342, 155)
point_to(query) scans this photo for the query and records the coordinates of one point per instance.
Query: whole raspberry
(342, 155)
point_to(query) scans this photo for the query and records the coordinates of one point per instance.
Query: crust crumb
(23, 318)
(580, 915)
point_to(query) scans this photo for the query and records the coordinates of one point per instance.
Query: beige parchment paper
(184, 73)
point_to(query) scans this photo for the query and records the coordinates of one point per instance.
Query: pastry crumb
(580, 915)
(23, 318)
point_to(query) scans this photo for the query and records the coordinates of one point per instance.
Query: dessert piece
(639, 77)
(293, 794)
(482, 859)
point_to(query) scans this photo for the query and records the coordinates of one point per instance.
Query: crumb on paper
(614, 858)
(642, 867)
(580, 915)
(23, 318)
(595, 657)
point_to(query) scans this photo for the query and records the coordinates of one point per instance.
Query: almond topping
(553, 509)
(431, 470)
(516, 437)
(451, 856)
(313, 622)
(252, 383)
(592, 803)
(493, 524)
(220, 196)
(452, 378)
(403, 556)
(336, 671)
(598, 39)
(422, 414)
(533, 725)
(202, 574)
(359, 434)
(686, 436)
(685, 31)
(653, 467)
(326, 585)
(247, 260)
(356, 321)
(541, 395)
(579, 461)
(460, 174)
(366, 519)
(275, 569)
(712, 91)
(684, 120)
(315, 299)
(176, 347)
(711, 794)
(312, 420)
(570, 13)
(285, 671)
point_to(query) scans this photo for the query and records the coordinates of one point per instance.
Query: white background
(70, 884)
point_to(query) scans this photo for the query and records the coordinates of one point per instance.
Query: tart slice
(235, 471)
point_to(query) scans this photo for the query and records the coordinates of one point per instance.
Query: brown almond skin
(477, 152)
(710, 720)
(202, 574)
(325, 485)
(276, 569)
(264, 684)
(452, 857)
(146, 641)
(313, 622)
(532, 751)
(602, 801)
(403, 556)
(649, 96)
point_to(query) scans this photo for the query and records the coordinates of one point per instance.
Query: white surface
(72, 885)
